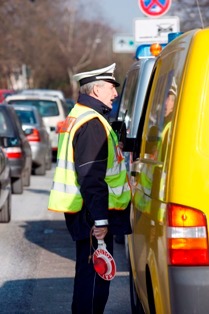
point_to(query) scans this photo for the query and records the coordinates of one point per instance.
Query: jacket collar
(94, 103)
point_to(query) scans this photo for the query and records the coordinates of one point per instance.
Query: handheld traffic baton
(103, 262)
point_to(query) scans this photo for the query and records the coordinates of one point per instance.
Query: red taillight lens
(187, 236)
(34, 136)
(59, 126)
(13, 152)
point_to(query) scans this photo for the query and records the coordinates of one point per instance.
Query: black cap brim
(113, 82)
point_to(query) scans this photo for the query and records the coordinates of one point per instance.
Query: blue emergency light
(143, 51)
(146, 50)
(172, 36)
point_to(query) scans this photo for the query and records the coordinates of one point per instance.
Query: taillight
(13, 152)
(34, 136)
(187, 236)
(59, 125)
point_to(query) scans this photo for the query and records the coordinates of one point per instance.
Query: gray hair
(87, 88)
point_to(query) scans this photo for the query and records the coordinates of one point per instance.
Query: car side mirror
(119, 128)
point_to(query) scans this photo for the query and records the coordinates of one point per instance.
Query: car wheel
(54, 156)
(40, 170)
(17, 185)
(136, 306)
(5, 212)
(49, 162)
(26, 179)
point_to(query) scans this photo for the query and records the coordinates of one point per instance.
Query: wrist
(101, 223)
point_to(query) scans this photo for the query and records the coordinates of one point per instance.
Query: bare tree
(192, 13)
(81, 42)
(52, 38)
(56, 39)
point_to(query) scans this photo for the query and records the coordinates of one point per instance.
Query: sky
(120, 14)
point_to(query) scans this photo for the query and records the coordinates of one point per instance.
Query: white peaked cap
(173, 88)
(105, 74)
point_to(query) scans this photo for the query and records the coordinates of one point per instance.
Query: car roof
(46, 92)
(33, 97)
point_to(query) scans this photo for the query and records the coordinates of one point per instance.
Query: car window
(26, 117)
(46, 108)
(128, 99)
(5, 125)
(160, 117)
(9, 141)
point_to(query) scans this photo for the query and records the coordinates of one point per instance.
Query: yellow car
(168, 250)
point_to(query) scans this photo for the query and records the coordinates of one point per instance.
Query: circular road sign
(154, 8)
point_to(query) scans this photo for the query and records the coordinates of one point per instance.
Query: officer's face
(107, 93)
(169, 104)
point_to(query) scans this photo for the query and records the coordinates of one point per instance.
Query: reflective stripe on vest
(65, 193)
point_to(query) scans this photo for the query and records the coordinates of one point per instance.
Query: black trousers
(90, 290)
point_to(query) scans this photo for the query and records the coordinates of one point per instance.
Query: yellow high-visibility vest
(65, 194)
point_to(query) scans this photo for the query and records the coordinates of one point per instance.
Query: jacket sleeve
(90, 153)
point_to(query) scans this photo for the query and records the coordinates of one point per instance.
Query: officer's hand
(99, 232)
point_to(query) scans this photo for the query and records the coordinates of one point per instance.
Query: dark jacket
(91, 152)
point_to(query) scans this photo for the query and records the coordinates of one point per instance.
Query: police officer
(91, 184)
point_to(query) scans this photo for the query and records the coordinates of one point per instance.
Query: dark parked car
(17, 148)
(37, 136)
(5, 188)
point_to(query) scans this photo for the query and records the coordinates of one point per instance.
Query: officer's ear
(95, 90)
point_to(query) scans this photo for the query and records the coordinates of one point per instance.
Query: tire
(54, 156)
(26, 180)
(5, 212)
(136, 306)
(150, 293)
(17, 185)
(49, 162)
(40, 170)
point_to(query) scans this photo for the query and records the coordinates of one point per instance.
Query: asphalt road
(37, 259)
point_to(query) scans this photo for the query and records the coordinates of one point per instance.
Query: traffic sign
(123, 43)
(155, 30)
(154, 8)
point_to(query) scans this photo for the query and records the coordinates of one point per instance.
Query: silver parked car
(37, 136)
(52, 110)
